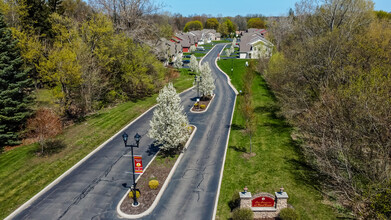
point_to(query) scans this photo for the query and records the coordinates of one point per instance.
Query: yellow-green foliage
(131, 194)
(202, 106)
(196, 105)
(153, 184)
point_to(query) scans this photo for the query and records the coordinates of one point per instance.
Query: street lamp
(198, 84)
(137, 138)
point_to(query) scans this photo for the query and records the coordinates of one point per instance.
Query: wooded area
(90, 55)
(331, 73)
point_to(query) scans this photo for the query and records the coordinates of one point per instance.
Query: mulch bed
(158, 170)
(203, 101)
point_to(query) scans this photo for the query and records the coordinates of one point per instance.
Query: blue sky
(241, 7)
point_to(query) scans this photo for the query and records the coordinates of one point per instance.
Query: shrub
(242, 214)
(131, 194)
(45, 124)
(153, 184)
(289, 214)
(202, 106)
(196, 105)
(52, 146)
(235, 201)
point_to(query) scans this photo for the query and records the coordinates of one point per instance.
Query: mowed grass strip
(278, 161)
(23, 174)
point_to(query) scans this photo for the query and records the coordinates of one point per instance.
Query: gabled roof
(249, 39)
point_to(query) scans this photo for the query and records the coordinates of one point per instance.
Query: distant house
(253, 44)
(184, 40)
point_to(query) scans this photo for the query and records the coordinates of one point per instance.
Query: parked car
(185, 61)
(201, 48)
(186, 56)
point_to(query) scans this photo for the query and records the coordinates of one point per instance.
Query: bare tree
(133, 17)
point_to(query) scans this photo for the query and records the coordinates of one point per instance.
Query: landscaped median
(161, 168)
(202, 105)
(275, 160)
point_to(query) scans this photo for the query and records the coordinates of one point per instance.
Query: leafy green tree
(212, 23)
(223, 29)
(192, 26)
(230, 25)
(256, 23)
(383, 15)
(226, 28)
(14, 88)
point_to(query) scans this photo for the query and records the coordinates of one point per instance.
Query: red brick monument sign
(263, 201)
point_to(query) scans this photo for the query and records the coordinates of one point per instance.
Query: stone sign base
(264, 205)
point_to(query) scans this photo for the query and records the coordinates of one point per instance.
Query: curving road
(93, 190)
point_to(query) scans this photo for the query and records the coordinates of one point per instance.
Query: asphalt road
(93, 190)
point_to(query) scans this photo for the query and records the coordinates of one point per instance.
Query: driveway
(93, 190)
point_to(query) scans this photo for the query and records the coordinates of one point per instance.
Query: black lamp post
(198, 84)
(137, 138)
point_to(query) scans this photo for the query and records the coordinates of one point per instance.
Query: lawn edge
(159, 195)
(226, 146)
(48, 187)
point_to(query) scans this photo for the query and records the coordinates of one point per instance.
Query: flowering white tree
(169, 125)
(193, 48)
(193, 63)
(234, 42)
(227, 52)
(207, 82)
(178, 61)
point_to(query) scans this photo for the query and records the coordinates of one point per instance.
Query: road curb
(159, 195)
(226, 146)
(229, 79)
(62, 176)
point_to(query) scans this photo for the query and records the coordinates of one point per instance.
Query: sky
(241, 7)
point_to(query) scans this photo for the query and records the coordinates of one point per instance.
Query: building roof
(249, 39)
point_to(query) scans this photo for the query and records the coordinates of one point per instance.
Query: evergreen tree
(169, 125)
(37, 17)
(14, 88)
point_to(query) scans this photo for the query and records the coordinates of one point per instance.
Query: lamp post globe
(125, 137)
(137, 138)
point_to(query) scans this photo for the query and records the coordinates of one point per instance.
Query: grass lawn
(221, 41)
(278, 161)
(200, 54)
(22, 174)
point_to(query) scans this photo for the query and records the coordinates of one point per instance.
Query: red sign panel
(263, 201)
(138, 164)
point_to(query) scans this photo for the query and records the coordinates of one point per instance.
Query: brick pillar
(245, 199)
(281, 200)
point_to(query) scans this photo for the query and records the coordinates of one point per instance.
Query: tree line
(88, 55)
(331, 73)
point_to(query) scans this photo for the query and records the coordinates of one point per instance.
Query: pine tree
(169, 125)
(14, 88)
(207, 83)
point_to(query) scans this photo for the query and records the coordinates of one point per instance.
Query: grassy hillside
(277, 161)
